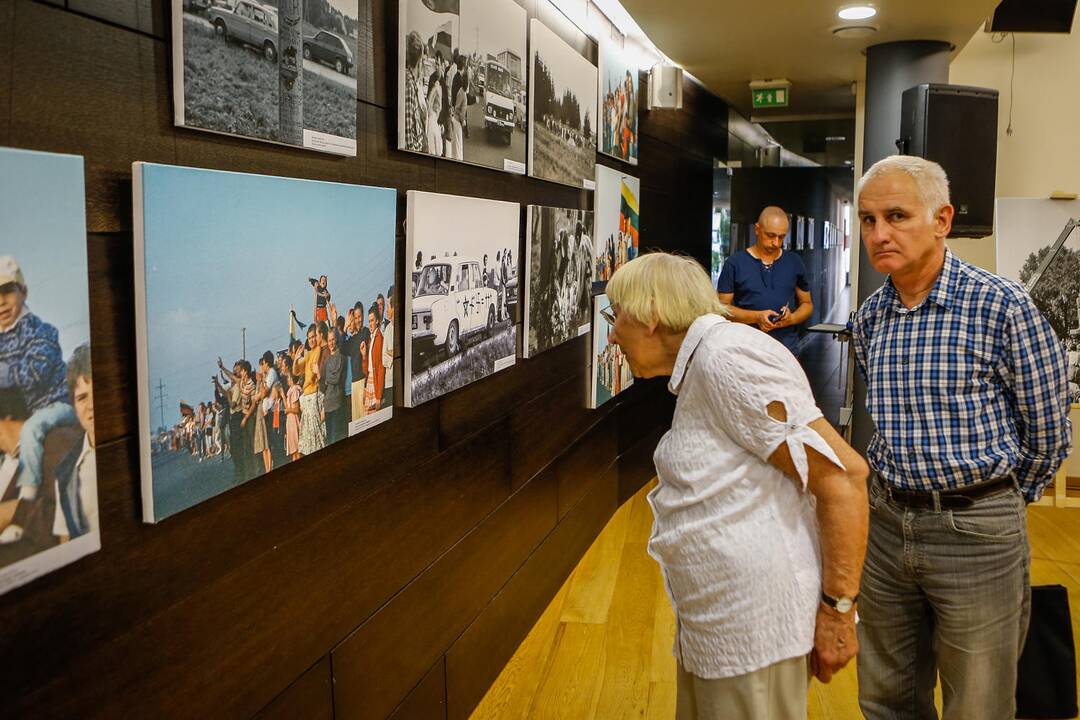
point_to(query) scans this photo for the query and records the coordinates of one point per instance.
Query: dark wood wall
(390, 576)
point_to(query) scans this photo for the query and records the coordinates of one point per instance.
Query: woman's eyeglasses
(608, 315)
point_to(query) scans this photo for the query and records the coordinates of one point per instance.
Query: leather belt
(948, 499)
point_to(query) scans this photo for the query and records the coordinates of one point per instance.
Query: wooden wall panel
(235, 605)
(476, 658)
(586, 462)
(376, 665)
(636, 465)
(7, 43)
(310, 697)
(427, 701)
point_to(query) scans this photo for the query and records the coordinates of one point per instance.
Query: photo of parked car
(326, 47)
(239, 70)
(248, 22)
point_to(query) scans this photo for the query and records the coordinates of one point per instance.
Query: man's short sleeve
(726, 283)
(800, 274)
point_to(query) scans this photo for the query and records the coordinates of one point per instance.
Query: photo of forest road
(562, 119)
(1057, 295)
(231, 72)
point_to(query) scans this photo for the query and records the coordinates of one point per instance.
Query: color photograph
(609, 371)
(463, 300)
(558, 277)
(461, 81)
(236, 70)
(264, 324)
(48, 465)
(618, 104)
(617, 222)
(562, 111)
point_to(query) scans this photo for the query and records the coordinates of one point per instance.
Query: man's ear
(943, 219)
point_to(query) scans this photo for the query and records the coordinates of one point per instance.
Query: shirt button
(903, 361)
(907, 407)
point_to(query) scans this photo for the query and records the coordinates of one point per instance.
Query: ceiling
(727, 44)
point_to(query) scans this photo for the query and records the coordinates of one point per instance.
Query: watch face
(844, 604)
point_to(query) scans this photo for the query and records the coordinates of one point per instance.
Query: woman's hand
(835, 642)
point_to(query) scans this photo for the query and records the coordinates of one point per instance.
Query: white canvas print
(562, 110)
(617, 221)
(48, 465)
(1025, 230)
(264, 324)
(462, 302)
(618, 136)
(283, 71)
(558, 277)
(462, 81)
(609, 371)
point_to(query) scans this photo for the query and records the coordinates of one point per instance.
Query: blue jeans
(943, 591)
(32, 440)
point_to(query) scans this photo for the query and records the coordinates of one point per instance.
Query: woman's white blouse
(736, 538)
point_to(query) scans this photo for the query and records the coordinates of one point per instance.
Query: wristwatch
(842, 604)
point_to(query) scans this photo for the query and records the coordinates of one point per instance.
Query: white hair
(931, 183)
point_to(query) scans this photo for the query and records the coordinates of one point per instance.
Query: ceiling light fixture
(854, 31)
(856, 12)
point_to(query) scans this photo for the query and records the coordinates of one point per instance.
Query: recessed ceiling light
(854, 31)
(856, 12)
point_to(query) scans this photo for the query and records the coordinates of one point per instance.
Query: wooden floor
(602, 649)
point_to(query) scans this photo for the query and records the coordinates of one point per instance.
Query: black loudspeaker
(956, 127)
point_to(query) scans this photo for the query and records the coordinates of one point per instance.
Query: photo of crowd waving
(562, 110)
(232, 74)
(617, 222)
(48, 472)
(462, 84)
(249, 375)
(463, 301)
(618, 104)
(610, 371)
(558, 265)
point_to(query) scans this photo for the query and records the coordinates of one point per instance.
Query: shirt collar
(86, 450)
(694, 336)
(942, 292)
(22, 313)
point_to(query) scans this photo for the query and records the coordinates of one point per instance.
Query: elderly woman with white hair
(760, 511)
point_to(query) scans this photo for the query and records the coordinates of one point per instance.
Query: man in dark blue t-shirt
(760, 283)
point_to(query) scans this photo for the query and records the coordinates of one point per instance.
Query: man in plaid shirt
(966, 383)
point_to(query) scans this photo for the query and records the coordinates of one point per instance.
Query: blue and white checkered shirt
(966, 387)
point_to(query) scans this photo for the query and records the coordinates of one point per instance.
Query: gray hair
(931, 183)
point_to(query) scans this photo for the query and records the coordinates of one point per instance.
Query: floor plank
(603, 648)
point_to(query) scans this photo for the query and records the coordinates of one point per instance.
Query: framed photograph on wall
(790, 231)
(257, 71)
(562, 110)
(558, 277)
(800, 234)
(463, 81)
(609, 371)
(810, 234)
(618, 102)
(618, 219)
(263, 322)
(463, 299)
(48, 462)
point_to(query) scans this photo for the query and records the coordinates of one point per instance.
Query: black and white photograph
(800, 233)
(462, 81)
(618, 103)
(282, 71)
(810, 234)
(562, 110)
(462, 254)
(558, 277)
(1026, 231)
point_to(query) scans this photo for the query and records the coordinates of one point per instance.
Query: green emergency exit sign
(770, 97)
